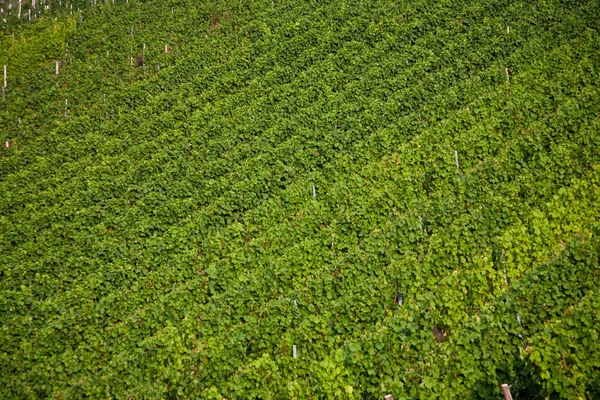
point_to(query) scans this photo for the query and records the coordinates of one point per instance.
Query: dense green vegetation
(206, 186)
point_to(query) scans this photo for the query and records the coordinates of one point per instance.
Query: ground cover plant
(282, 199)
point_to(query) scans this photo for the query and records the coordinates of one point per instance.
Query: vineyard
(253, 199)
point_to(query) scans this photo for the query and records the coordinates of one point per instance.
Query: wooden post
(506, 73)
(456, 159)
(294, 351)
(506, 390)
(4, 76)
(57, 68)
(388, 397)
(20, 9)
(314, 192)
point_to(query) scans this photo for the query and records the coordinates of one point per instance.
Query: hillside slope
(300, 200)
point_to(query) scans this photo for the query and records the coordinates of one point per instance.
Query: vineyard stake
(57, 68)
(20, 9)
(503, 267)
(314, 192)
(506, 73)
(506, 390)
(399, 299)
(388, 397)
(294, 351)
(456, 159)
(4, 76)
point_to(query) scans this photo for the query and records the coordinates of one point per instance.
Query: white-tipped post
(294, 353)
(456, 159)
(314, 192)
(506, 391)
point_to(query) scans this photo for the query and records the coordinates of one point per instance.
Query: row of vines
(254, 199)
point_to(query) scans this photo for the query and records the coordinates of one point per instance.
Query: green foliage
(28, 51)
(289, 170)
